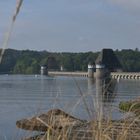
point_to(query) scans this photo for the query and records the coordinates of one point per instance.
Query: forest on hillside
(29, 62)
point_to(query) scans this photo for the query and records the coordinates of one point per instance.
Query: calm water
(24, 96)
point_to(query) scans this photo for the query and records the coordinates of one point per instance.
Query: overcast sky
(72, 25)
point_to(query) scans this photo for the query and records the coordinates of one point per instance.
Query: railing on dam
(114, 75)
(125, 75)
(58, 73)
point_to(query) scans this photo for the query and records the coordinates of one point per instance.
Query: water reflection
(109, 87)
(103, 94)
(105, 89)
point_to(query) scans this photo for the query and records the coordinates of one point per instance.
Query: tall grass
(102, 127)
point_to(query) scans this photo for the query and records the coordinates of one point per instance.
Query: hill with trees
(29, 62)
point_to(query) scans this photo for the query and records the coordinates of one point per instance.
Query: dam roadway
(114, 75)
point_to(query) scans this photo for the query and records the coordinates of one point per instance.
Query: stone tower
(44, 70)
(90, 70)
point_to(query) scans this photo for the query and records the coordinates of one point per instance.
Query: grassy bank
(131, 106)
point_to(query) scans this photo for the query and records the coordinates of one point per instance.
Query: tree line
(29, 62)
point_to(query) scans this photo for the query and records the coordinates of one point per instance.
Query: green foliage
(130, 106)
(68, 62)
(130, 60)
(28, 63)
(125, 106)
(9, 61)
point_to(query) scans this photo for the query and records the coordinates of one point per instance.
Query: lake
(24, 96)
